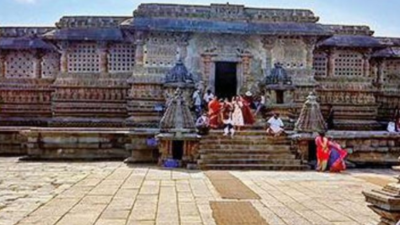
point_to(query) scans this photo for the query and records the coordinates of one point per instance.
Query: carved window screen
(161, 50)
(349, 63)
(392, 67)
(50, 65)
(83, 58)
(121, 58)
(320, 64)
(19, 64)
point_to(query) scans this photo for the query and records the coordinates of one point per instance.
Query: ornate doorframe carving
(210, 57)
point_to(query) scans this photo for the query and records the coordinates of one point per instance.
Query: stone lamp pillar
(386, 203)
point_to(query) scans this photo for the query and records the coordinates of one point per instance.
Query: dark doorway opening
(225, 79)
(279, 97)
(312, 151)
(177, 150)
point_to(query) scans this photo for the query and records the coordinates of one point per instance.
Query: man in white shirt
(197, 102)
(275, 125)
(208, 96)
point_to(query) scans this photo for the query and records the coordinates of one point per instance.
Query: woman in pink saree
(337, 155)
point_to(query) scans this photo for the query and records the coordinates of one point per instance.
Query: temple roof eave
(85, 34)
(391, 52)
(208, 26)
(24, 43)
(356, 41)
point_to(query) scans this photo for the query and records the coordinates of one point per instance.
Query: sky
(382, 16)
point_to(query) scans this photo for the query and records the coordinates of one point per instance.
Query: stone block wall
(365, 147)
(11, 142)
(75, 144)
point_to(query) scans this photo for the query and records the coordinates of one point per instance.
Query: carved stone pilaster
(246, 58)
(310, 46)
(268, 45)
(182, 45)
(366, 64)
(2, 64)
(381, 71)
(64, 57)
(139, 52)
(331, 62)
(103, 56)
(37, 64)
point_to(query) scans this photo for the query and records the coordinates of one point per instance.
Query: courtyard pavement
(112, 193)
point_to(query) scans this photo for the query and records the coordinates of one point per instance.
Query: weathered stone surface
(113, 193)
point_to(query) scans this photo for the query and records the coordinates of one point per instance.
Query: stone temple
(97, 87)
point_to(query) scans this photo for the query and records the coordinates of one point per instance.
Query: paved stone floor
(111, 193)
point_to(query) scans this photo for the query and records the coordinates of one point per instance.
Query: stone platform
(250, 149)
(99, 193)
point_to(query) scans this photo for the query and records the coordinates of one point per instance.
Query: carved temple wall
(387, 80)
(118, 79)
(346, 83)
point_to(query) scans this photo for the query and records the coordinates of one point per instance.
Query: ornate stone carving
(278, 76)
(179, 74)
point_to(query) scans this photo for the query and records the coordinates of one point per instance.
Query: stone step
(281, 167)
(251, 161)
(246, 147)
(243, 151)
(246, 155)
(220, 132)
(244, 142)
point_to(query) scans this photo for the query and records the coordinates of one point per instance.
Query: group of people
(231, 114)
(330, 155)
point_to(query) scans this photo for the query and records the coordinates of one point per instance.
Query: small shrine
(177, 139)
(310, 119)
(279, 84)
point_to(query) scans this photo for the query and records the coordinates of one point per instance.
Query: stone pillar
(64, 57)
(2, 64)
(331, 62)
(103, 57)
(37, 64)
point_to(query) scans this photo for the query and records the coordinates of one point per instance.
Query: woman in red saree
(323, 151)
(246, 111)
(214, 108)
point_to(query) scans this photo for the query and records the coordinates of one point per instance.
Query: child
(228, 123)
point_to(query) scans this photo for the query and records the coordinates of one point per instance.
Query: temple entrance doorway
(225, 79)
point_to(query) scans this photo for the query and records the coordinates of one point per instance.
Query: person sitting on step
(203, 124)
(275, 125)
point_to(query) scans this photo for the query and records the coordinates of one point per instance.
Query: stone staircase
(248, 150)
